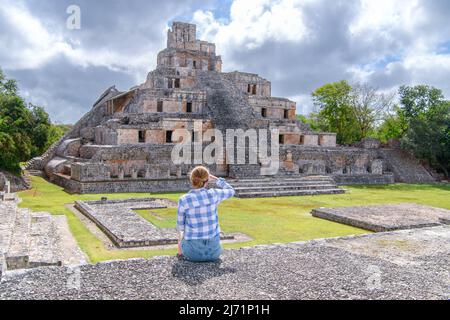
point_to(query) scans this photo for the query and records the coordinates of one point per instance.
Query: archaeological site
(70, 235)
(124, 143)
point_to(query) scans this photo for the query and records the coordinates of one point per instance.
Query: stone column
(376, 166)
(134, 172)
(121, 173)
(178, 172)
(147, 172)
(7, 186)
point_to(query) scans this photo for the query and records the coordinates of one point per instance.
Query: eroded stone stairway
(289, 186)
(29, 239)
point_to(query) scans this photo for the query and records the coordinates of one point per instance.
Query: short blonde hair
(199, 177)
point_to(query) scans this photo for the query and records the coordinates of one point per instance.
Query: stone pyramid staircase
(405, 167)
(30, 240)
(227, 105)
(280, 187)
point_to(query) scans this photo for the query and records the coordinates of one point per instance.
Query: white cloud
(299, 45)
(34, 46)
(386, 43)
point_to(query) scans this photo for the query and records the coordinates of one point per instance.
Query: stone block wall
(83, 172)
(327, 140)
(250, 83)
(275, 108)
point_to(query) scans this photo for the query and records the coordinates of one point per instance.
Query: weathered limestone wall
(335, 161)
(327, 140)
(366, 179)
(123, 186)
(275, 108)
(173, 102)
(127, 136)
(310, 140)
(250, 83)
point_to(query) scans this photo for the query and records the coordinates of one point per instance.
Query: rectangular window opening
(169, 136)
(264, 112)
(141, 136)
(159, 107)
(189, 107)
(281, 139)
(286, 114)
(177, 83)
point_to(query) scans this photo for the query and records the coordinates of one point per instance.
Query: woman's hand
(179, 248)
(213, 178)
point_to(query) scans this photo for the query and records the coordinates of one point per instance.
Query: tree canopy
(420, 120)
(25, 130)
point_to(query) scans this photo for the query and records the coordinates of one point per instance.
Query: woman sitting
(198, 222)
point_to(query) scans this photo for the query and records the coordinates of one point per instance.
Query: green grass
(268, 220)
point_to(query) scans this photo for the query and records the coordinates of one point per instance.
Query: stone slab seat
(17, 256)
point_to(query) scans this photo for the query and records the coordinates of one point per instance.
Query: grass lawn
(268, 220)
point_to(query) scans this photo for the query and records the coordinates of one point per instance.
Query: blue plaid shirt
(197, 211)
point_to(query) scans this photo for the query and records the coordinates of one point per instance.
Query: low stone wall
(370, 179)
(126, 228)
(18, 183)
(382, 218)
(122, 186)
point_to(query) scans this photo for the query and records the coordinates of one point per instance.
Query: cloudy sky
(297, 44)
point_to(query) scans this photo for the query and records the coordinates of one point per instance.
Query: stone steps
(7, 221)
(43, 243)
(281, 183)
(406, 168)
(29, 240)
(287, 193)
(285, 187)
(278, 187)
(17, 256)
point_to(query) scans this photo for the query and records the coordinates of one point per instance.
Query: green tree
(369, 108)
(392, 127)
(25, 131)
(335, 114)
(427, 115)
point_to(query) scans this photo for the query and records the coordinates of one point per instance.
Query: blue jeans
(200, 250)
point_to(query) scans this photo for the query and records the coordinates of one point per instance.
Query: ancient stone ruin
(383, 218)
(124, 143)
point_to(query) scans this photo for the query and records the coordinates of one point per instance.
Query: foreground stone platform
(33, 239)
(386, 217)
(126, 228)
(408, 264)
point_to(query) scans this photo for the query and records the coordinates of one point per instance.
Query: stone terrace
(408, 264)
(31, 239)
(386, 217)
(125, 227)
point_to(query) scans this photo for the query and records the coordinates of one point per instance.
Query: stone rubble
(358, 267)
